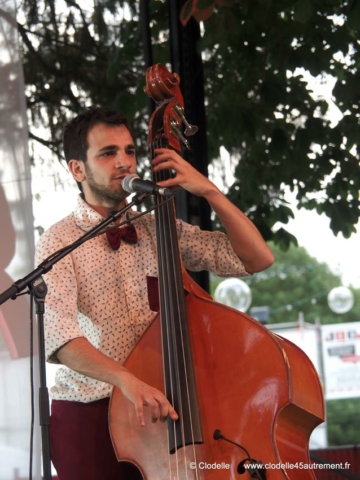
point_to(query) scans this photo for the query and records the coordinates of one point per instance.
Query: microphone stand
(36, 285)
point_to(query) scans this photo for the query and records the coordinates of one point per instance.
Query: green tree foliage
(258, 104)
(79, 56)
(343, 421)
(297, 282)
(260, 109)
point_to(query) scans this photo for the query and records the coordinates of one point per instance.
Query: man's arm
(244, 237)
(81, 356)
(65, 342)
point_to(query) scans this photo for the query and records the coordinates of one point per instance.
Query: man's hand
(81, 356)
(141, 394)
(186, 176)
(244, 237)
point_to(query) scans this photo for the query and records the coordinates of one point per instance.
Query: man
(97, 304)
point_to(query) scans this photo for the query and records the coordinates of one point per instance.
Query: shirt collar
(86, 217)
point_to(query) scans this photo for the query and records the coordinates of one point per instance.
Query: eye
(108, 153)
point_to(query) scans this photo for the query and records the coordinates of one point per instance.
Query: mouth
(119, 178)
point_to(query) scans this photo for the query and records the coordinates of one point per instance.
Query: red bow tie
(127, 233)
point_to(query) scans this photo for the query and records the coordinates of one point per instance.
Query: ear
(77, 169)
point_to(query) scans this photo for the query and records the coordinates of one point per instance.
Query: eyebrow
(115, 147)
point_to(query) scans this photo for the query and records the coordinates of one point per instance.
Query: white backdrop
(16, 260)
(341, 360)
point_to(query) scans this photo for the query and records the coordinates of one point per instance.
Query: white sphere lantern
(340, 299)
(234, 293)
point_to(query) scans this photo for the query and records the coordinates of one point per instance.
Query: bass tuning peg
(189, 129)
(177, 133)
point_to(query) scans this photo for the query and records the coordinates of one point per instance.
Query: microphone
(133, 183)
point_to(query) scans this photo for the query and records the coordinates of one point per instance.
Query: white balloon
(234, 293)
(340, 299)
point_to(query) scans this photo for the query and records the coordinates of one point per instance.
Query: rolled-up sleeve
(204, 250)
(61, 324)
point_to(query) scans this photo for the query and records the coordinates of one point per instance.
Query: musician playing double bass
(100, 298)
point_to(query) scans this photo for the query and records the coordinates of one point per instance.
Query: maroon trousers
(80, 443)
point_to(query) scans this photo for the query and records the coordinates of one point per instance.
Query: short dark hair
(76, 131)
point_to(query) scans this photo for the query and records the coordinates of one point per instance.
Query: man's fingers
(167, 410)
(141, 394)
(139, 408)
(160, 409)
(172, 413)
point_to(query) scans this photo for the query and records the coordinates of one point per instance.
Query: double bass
(247, 398)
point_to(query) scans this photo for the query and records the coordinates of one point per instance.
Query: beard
(102, 192)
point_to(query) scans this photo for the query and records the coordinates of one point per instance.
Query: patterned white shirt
(101, 294)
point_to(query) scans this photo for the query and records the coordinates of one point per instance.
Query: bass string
(172, 294)
(163, 308)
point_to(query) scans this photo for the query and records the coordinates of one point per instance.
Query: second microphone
(133, 183)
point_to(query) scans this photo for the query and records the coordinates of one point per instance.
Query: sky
(342, 255)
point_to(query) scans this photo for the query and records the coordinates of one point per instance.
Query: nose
(122, 162)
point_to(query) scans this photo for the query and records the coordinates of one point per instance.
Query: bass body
(260, 390)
